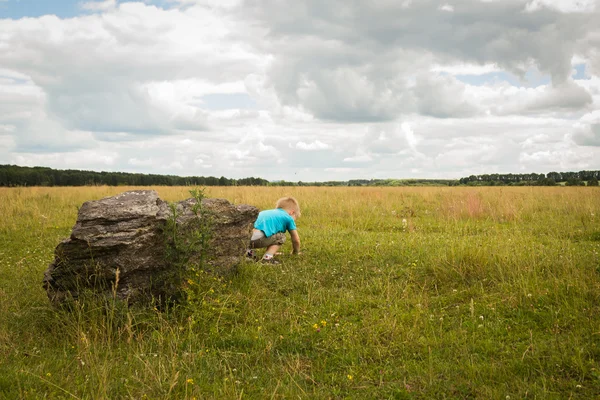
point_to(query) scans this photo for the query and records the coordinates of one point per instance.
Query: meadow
(416, 293)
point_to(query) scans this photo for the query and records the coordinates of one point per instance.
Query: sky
(301, 90)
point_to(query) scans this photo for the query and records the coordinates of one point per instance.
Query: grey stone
(122, 246)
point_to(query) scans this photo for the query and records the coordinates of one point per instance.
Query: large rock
(132, 246)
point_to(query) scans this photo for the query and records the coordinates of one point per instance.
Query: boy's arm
(295, 241)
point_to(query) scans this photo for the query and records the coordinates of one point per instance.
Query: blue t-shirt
(274, 221)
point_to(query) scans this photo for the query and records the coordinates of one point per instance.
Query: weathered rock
(123, 246)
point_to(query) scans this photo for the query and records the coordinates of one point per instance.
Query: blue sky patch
(535, 78)
(532, 78)
(489, 78)
(580, 72)
(14, 81)
(16, 9)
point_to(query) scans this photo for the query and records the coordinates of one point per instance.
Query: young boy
(270, 226)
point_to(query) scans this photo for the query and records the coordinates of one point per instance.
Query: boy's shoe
(251, 255)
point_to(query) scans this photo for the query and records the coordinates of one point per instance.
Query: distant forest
(581, 178)
(13, 175)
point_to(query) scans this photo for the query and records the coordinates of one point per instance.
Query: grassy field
(490, 293)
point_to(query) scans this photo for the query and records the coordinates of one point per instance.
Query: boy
(270, 226)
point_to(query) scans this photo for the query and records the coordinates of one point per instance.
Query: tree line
(581, 178)
(13, 175)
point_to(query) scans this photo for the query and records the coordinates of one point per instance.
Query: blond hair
(288, 203)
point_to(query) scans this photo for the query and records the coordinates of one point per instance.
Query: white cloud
(94, 159)
(411, 139)
(7, 144)
(565, 96)
(465, 69)
(566, 99)
(140, 163)
(586, 132)
(316, 145)
(110, 84)
(443, 97)
(562, 160)
(322, 91)
(99, 5)
(210, 3)
(7, 129)
(361, 158)
(580, 6)
(176, 165)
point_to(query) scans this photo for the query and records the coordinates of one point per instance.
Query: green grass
(489, 293)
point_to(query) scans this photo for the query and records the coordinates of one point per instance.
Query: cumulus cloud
(143, 163)
(563, 159)
(318, 90)
(568, 6)
(360, 158)
(103, 66)
(411, 139)
(316, 145)
(588, 135)
(465, 69)
(442, 97)
(371, 90)
(348, 43)
(586, 132)
(98, 159)
(99, 5)
(567, 95)
(446, 7)
(502, 98)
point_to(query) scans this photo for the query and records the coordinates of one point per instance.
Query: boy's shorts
(278, 239)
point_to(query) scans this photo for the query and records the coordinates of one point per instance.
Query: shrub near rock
(136, 247)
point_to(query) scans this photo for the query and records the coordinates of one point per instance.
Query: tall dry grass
(400, 293)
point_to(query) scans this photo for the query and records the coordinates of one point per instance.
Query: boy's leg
(271, 251)
(271, 243)
(256, 241)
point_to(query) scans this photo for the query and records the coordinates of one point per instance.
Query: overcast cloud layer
(303, 89)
